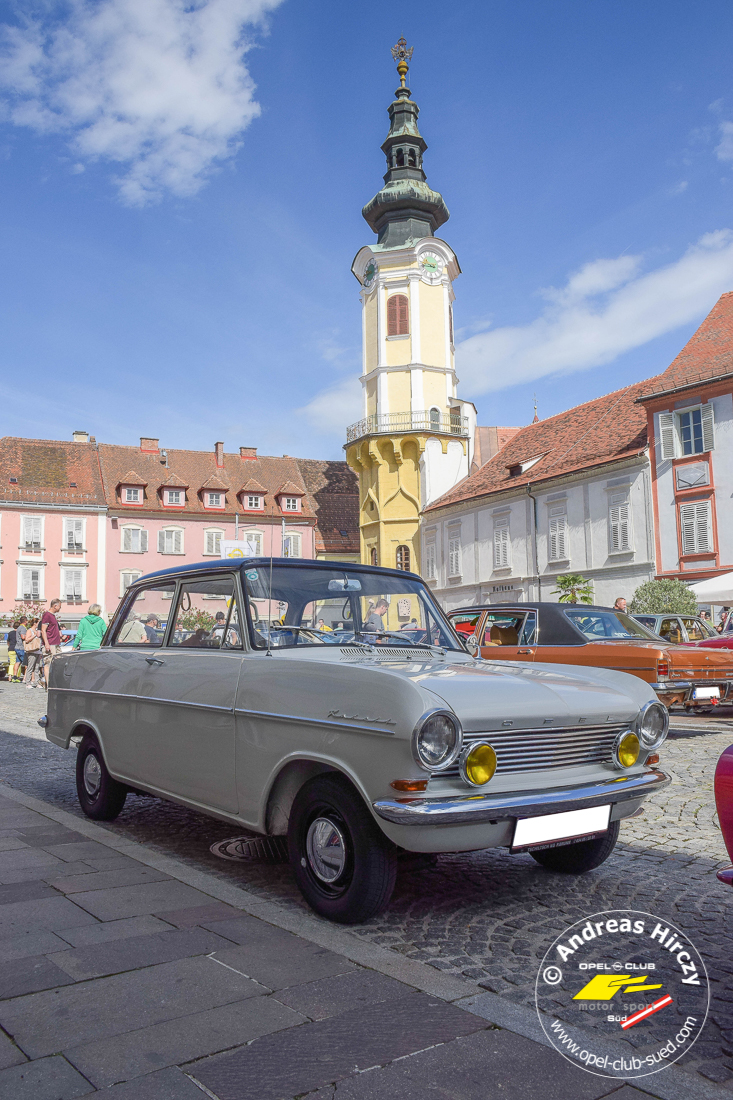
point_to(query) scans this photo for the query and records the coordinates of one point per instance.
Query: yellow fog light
(626, 750)
(478, 763)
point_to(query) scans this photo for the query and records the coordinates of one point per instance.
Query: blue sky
(182, 187)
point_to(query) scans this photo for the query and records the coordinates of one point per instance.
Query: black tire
(100, 796)
(364, 866)
(575, 859)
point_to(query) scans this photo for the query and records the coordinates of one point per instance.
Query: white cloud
(724, 150)
(333, 409)
(604, 310)
(157, 86)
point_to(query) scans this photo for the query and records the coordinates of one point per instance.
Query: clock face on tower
(370, 274)
(431, 267)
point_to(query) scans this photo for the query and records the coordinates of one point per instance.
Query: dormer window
(290, 504)
(253, 502)
(132, 494)
(173, 496)
(215, 500)
(518, 468)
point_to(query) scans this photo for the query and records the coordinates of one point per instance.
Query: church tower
(415, 438)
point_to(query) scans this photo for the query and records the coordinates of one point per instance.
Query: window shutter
(454, 557)
(696, 527)
(126, 538)
(161, 542)
(624, 526)
(667, 434)
(430, 561)
(177, 542)
(501, 546)
(403, 315)
(558, 538)
(708, 427)
(143, 540)
(392, 315)
(619, 522)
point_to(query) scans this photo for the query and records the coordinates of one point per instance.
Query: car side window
(502, 628)
(528, 635)
(694, 630)
(145, 619)
(465, 625)
(207, 615)
(669, 629)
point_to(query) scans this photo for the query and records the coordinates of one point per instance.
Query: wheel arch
(291, 777)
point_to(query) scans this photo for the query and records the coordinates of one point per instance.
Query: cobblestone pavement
(488, 916)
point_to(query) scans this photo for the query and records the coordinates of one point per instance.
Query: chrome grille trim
(541, 749)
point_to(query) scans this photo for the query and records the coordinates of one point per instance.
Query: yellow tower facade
(415, 437)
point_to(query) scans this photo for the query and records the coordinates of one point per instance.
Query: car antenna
(269, 602)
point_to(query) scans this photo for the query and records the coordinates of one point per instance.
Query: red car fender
(724, 804)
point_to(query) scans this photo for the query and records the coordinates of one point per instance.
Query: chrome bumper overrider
(482, 808)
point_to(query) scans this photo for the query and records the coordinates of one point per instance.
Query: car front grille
(541, 749)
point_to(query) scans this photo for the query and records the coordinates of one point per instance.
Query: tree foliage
(574, 588)
(662, 597)
(196, 619)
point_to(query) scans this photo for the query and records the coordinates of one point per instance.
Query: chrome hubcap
(326, 849)
(92, 775)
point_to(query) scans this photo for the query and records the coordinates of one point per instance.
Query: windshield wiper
(401, 637)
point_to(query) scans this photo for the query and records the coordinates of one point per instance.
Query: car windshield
(342, 606)
(597, 625)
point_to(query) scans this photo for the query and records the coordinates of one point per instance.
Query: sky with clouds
(182, 187)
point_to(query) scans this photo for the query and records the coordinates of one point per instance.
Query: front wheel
(100, 796)
(344, 866)
(575, 859)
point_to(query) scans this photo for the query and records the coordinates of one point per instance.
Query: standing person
(91, 629)
(51, 634)
(33, 655)
(620, 604)
(374, 624)
(151, 625)
(12, 654)
(20, 647)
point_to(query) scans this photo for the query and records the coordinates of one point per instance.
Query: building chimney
(149, 446)
(219, 451)
(81, 437)
(248, 452)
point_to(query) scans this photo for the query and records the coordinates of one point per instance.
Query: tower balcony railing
(423, 420)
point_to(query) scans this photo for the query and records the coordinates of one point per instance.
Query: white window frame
(431, 560)
(37, 523)
(670, 436)
(620, 530)
(74, 523)
(254, 541)
(557, 535)
(215, 493)
(290, 504)
(502, 544)
(247, 504)
(455, 555)
(167, 493)
(696, 527)
(292, 545)
(143, 539)
(81, 587)
(210, 535)
(174, 531)
(41, 582)
(127, 489)
(133, 575)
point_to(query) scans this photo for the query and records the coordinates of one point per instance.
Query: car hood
(490, 695)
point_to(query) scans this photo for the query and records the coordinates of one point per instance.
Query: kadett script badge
(622, 994)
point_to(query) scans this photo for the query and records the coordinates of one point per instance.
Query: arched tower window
(411, 158)
(435, 419)
(398, 315)
(403, 557)
(374, 558)
(400, 158)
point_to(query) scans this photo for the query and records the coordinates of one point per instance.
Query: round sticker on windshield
(622, 994)
(251, 574)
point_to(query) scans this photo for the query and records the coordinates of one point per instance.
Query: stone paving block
(9, 843)
(308, 1057)
(43, 1023)
(29, 975)
(132, 953)
(133, 901)
(177, 1041)
(282, 960)
(490, 1064)
(25, 891)
(32, 916)
(10, 1055)
(29, 943)
(67, 870)
(214, 911)
(47, 1079)
(109, 930)
(342, 993)
(80, 849)
(110, 861)
(23, 859)
(42, 835)
(105, 880)
(166, 1084)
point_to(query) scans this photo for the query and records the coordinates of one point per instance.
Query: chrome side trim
(479, 809)
(144, 698)
(298, 720)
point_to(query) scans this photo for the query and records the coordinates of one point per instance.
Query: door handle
(154, 661)
(525, 651)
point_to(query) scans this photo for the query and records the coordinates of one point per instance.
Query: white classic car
(334, 703)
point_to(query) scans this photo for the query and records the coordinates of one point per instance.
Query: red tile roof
(132, 478)
(333, 490)
(253, 486)
(600, 431)
(50, 472)
(707, 354)
(288, 487)
(215, 482)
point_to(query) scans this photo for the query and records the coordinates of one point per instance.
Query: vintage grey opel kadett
(334, 704)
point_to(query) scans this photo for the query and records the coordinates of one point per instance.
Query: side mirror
(472, 646)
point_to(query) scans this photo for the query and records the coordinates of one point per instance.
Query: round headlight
(437, 741)
(652, 724)
(626, 750)
(478, 763)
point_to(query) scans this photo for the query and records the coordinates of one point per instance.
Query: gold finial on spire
(402, 54)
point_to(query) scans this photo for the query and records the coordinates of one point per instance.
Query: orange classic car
(577, 634)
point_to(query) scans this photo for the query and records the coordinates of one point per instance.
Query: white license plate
(706, 693)
(550, 830)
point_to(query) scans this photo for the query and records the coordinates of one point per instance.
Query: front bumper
(485, 808)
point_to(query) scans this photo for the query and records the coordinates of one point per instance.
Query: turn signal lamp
(478, 763)
(626, 750)
(662, 669)
(410, 784)
(653, 759)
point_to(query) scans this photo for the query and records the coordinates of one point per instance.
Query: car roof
(226, 565)
(556, 628)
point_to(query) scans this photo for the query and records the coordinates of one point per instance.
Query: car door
(509, 635)
(185, 708)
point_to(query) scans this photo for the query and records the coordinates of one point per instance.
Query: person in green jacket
(91, 629)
